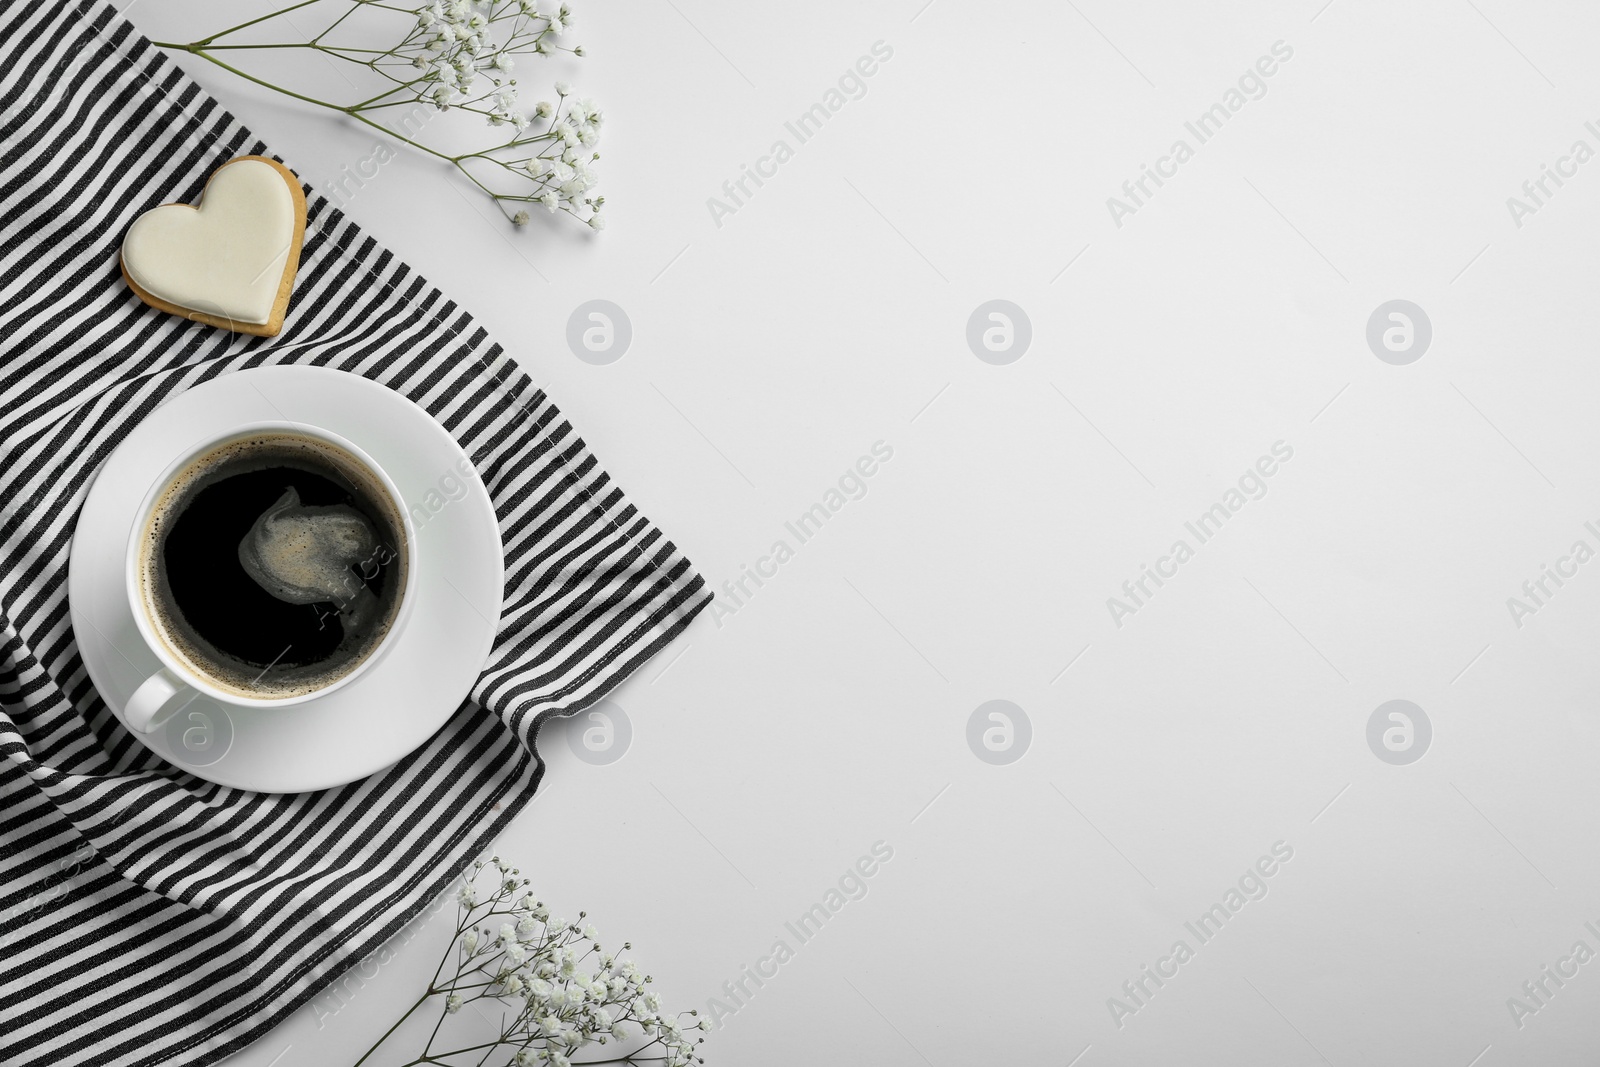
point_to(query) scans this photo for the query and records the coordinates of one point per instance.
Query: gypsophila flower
(443, 58)
(552, 1006)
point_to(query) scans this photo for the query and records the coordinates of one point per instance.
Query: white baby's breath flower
(469, 941)
(516, 955)
(448, 45)
(452, 1003)
(467, 894)
(597, 221)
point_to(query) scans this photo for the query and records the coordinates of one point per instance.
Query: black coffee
(274, 564)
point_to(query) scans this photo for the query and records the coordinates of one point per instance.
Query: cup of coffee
(266, 566)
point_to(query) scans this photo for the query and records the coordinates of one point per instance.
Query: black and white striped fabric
(147, 916)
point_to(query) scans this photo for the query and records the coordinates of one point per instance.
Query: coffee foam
(199, 655)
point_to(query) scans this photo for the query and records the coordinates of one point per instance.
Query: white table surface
(773, 746)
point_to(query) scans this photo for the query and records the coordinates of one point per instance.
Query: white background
(773, 746)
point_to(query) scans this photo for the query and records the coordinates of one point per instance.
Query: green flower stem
(198, 49)
(252, 22)
(387, 1033)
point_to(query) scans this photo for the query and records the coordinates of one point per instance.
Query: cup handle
(160, 697)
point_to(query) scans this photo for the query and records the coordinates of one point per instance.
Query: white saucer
(398, 703)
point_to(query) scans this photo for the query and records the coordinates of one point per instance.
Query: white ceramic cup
(171, 688)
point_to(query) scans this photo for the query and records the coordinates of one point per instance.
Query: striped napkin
(147, 916)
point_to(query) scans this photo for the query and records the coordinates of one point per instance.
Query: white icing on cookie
(226, 257)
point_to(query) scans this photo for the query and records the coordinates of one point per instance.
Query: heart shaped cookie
(229, 261)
